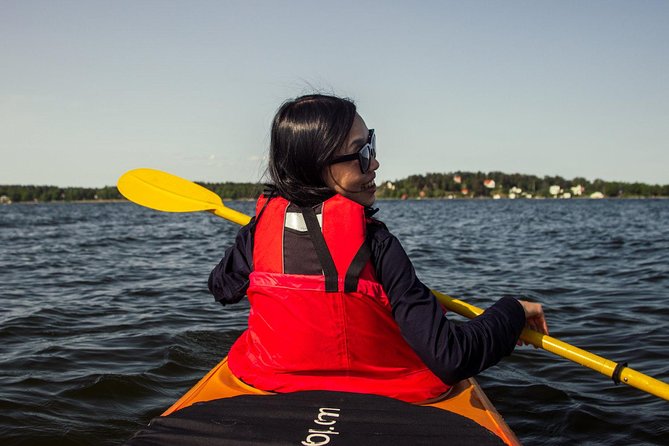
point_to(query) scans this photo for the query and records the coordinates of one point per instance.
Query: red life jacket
(319, 320)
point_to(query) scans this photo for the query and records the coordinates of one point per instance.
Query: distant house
(577, 190)
(596, 195)
(4, 199)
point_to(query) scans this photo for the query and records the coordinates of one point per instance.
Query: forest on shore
(430, 185)
(503, 185)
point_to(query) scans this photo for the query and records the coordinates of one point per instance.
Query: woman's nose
(375, 164)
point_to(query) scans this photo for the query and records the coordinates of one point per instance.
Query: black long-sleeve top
(452, 351)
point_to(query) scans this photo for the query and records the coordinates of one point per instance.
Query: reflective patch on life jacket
(295, 221)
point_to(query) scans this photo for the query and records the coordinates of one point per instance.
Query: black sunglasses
(364, 155)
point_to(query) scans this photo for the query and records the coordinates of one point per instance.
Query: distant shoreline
(433, 186)
(122, 200)
(30, 203)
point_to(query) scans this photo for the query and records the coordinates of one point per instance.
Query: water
(105, 319)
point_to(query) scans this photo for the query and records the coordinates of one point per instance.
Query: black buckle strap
(357, 264)
(324, 256)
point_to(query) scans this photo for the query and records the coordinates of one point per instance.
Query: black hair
(306, 133)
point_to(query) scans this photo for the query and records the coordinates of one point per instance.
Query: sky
(91, 89)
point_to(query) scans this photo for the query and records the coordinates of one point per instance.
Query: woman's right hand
(534, 317)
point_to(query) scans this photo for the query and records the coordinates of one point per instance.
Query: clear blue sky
(90, 89)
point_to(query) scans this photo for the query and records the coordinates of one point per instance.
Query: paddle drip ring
(617, 372)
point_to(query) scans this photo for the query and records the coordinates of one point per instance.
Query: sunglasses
(364, 155)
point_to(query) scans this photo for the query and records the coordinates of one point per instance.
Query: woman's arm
(229, 280)
(453, 351)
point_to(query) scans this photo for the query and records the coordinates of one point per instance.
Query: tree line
(430, 185)
(481, 184)
(24, 194)
(33, 194)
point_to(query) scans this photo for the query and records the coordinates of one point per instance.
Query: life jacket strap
(321, 247)
(355, 268)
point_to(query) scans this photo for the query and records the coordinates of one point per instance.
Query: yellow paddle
(165, 192)
(170, 193)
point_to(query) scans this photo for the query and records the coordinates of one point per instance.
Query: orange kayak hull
(466, 399)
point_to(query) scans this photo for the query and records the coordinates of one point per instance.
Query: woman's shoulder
(377, 231)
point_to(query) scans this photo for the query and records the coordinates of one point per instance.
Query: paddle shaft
(232, 215)
(169, 193)
(597, 363)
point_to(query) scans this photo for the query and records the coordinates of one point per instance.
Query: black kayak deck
(313, 418)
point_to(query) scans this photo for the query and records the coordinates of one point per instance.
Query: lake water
(105, 317)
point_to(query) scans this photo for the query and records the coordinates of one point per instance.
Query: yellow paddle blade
(166, 192)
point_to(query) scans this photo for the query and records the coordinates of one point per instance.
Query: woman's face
(346, 178)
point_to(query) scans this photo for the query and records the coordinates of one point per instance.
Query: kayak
(221, 409)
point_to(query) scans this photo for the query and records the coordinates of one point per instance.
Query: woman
(335, 301)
